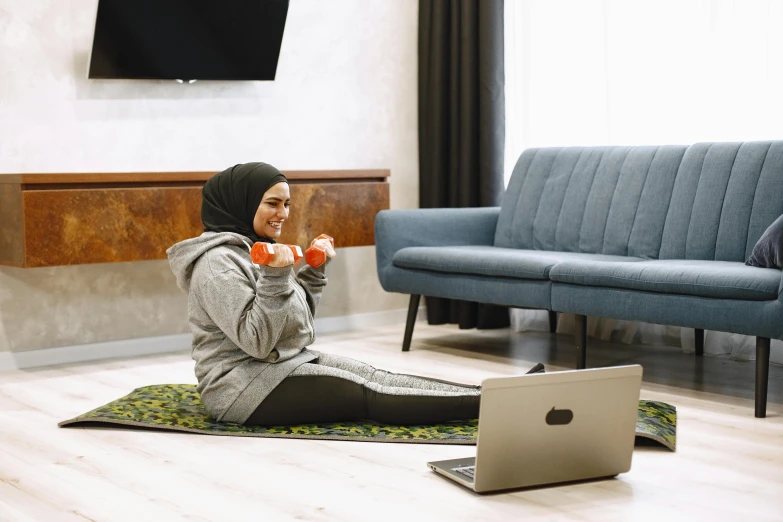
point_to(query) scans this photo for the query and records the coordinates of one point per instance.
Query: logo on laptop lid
(559, 417)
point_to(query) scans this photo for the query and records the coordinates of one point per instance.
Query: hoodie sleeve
(313, 280)
(252, 315)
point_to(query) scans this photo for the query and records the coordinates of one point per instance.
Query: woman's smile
(276, 226)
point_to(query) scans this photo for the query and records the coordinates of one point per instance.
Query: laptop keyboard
(468, 471)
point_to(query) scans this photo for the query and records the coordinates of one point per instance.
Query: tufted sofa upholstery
(656, 234)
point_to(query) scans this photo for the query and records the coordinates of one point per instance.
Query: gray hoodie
(250, 323)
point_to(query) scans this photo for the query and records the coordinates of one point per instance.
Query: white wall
(344, 97)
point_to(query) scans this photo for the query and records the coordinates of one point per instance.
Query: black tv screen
(187, 39)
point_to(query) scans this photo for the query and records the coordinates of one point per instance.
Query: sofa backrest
(704, 201)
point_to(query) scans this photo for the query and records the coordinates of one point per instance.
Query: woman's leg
(310, 399)
(316, 393)
(396, 380)
(394, 405)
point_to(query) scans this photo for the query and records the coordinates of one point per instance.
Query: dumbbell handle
(262, 253)
(316, 256)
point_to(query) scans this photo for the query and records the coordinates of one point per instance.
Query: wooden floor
(728, 465)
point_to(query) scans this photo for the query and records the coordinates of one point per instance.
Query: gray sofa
(653, 234)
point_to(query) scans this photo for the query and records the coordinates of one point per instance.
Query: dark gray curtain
(461, 123)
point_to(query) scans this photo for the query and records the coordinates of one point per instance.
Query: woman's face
(272, 211)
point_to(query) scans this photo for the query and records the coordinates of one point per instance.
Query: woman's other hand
(325, 245)
(283, 256)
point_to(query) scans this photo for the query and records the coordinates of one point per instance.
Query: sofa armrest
(397, 229)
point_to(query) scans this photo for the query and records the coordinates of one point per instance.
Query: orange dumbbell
(316, 256)
(263, 253)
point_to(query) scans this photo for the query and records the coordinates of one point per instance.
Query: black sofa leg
(413, 310)
(552, 321)
(699, 341)
(580, 336)
(762, 375)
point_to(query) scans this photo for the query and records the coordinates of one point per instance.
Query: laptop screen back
(556, 427)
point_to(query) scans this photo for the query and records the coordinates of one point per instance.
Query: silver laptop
(548, 428)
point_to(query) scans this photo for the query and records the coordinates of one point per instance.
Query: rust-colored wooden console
(69, 219)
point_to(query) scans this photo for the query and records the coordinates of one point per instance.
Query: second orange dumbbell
(316, 256)
(263, 253)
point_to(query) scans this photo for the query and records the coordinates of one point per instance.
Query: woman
(251, 324)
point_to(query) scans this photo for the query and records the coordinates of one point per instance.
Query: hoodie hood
(183, 255)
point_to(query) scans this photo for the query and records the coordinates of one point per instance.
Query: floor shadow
(663, 365)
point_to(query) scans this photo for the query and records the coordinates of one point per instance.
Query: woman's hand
(325, 245)
(283, 256)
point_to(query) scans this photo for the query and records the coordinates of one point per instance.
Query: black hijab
(230, 198)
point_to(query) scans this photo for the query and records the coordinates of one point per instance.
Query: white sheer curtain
(630, 72)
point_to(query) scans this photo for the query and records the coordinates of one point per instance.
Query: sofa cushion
(720, 279)
(601, 200)
(493, 261)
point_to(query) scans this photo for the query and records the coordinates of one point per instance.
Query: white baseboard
(94, 351)
(175, 343)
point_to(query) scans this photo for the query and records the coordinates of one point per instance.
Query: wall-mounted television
(187, 39)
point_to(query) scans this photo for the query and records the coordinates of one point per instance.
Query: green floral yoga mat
(178, 407)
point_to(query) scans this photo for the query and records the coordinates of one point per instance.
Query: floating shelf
(70, 219)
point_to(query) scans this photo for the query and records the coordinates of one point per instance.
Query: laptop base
(446, 468)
